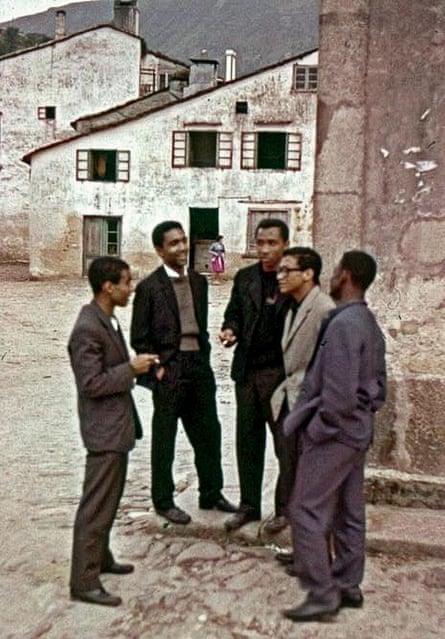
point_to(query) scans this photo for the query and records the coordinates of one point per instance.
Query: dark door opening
(204, 228)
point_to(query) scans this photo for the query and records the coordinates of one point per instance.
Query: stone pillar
(379, 186)
(341, 124)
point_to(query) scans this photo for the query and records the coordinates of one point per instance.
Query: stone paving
(191, 582)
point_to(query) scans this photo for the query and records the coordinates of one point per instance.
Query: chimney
(60, 24)
(203, 74)
(230, 65)
(126, 16)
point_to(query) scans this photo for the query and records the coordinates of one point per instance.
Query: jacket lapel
(167, 291)
(292, 325)
(115, 335)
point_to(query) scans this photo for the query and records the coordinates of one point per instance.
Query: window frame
(42, 113)
(84, 165)
(180, 158)
(249, 150)
(309, 84)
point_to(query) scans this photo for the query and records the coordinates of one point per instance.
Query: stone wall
(380, 186)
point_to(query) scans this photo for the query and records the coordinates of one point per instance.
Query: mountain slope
(261, 31)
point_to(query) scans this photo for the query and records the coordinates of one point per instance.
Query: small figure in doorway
(217, 251)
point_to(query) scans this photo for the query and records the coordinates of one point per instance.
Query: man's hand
(143, 362)
(227, 337)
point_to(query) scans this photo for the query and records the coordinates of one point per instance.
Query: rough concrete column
(339, 177)
(379, 186)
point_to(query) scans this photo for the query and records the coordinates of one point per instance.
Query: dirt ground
(183, 586)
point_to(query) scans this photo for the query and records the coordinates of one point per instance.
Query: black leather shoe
(96, 596)
(275, 525)
(285, 558)
(221, 503)
(118, 569)
(175, 515)
(241, 518)
(290, 570)
(312, 610)
(352, 598)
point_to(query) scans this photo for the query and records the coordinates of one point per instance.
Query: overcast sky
(10, 9)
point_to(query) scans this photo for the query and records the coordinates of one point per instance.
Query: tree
(11, 39)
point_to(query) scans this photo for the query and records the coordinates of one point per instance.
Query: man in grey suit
(298, 277)
(109, 424)
(344, 385)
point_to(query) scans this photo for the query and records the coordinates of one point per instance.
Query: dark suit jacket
(156, 325)
(242, 314)
(104, 378)
(346, 382)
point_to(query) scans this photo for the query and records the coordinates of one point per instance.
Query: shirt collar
(172, 273)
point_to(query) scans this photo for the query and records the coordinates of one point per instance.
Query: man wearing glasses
(298, 276)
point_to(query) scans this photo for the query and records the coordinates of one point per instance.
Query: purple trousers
(327, 513)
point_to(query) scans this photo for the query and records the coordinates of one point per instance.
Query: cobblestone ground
(182, 587)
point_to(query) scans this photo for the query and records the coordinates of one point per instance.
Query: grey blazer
(346, 382)
(104, 378)
(298, 342)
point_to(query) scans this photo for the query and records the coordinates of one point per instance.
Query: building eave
(51, 43)
(28, 157)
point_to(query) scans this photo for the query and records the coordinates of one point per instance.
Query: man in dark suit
(109, 424)
(170, 318)
(254, 320)
(344, 386)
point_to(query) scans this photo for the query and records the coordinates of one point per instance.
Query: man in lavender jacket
(343, 387)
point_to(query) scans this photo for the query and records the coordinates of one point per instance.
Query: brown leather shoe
(352, 598)
(175, 515)
(97, 596)
(311, 610)
(118, 569)
(220, 503)
(241, 518)
(285, 558)
(275, 525)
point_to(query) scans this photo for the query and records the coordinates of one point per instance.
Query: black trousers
(103, 486)
(253, 413)
(286, 450)
(187, 392)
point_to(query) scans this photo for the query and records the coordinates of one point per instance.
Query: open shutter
(123, 166)
(82, 157)
(248, 150)
(225, 150)
(179, 149)
(293, 159)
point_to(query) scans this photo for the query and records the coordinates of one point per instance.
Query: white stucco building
(44, 88)
(218, 161)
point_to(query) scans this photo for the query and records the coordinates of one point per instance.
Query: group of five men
(314, 372)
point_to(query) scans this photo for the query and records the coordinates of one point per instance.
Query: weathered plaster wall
(157, 192)
(380, 185)
(79, 75)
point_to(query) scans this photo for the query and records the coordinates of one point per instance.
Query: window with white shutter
(224, 150)
(202, 149)
(102, 165)
(271, 150)
(179, 149)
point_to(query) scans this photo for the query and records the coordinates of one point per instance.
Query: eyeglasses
(284, 270)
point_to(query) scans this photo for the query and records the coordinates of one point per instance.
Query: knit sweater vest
(189, 325)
